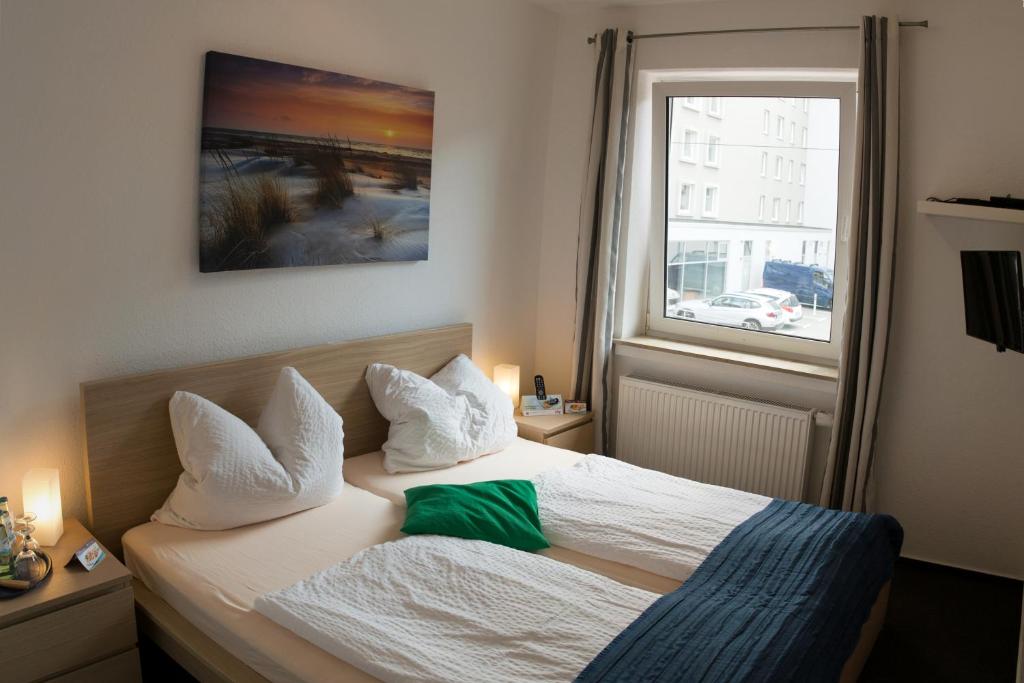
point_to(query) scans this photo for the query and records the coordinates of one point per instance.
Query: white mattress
(522, 460)
(213, 577)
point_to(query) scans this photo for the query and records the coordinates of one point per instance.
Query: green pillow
(503, 512)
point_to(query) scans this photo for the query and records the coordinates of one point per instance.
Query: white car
(787, 301)
(736, 310)
(671, 302)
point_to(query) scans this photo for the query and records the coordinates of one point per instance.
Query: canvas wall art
(302, 167)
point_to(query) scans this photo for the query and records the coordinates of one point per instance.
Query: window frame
(841, 87)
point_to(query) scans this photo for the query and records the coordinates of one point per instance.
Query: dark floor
(947, 625)
(944, 626)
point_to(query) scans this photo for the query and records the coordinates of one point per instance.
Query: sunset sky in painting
(252, 94)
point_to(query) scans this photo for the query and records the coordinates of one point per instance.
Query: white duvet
(646, 519)
(434, 608)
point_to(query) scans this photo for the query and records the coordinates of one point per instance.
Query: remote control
(538, 383)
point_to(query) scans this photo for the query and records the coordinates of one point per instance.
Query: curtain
(847, 482)
(600, 228)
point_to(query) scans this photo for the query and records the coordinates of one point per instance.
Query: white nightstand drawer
(68, 638)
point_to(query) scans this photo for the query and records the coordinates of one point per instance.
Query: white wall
(950, 455)
(99, 130)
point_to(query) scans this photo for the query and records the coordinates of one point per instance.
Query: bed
(132, 465)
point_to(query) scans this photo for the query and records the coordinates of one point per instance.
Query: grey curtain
(600, 228)
(847, 483)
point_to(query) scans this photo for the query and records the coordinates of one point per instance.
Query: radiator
(714, 438)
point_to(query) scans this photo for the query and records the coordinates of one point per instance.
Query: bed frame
(131, 463)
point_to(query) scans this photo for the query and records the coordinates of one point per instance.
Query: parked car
(805, 281)
(671, 302)
(787, 301)
(736, 310)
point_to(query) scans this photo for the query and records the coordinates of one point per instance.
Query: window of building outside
(712, 154)
(783, 268)
(689, 146)
(686, 199)
(715, 107)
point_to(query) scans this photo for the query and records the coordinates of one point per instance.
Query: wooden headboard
(131, 463)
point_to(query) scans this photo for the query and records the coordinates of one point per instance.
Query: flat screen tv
(994, 297)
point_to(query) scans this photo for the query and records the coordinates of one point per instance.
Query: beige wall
(99, 121)
(951, 440)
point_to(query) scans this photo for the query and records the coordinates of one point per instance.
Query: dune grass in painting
(304, 167)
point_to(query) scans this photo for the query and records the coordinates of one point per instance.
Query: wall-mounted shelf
(979, 213)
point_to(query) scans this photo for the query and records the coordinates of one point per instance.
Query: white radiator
(714, 438)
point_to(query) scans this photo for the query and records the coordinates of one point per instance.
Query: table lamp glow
(40, 490)
(507, 378)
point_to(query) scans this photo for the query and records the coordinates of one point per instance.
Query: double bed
(196, 591)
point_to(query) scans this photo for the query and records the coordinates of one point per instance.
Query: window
(711, 158)
(710, 201)
(726, 235)
(806, 105)
(689, 146)
(714, 107)
(803, 138)
(685, 199)
(692, 103)
(695, 271)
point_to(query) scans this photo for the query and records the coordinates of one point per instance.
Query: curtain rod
(903, 24)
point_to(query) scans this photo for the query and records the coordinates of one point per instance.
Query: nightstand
(78, 626)
(572, 432)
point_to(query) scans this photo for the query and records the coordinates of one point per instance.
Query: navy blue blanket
(782, 598)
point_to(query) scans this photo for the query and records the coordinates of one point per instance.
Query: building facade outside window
(748, 230)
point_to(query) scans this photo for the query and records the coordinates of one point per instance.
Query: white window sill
(742, 358)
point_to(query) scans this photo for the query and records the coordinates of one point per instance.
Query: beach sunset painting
(302, 167)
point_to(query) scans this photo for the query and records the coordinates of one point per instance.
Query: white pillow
(233, 477)
(458, 414)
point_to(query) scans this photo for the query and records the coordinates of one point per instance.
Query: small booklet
(531, 405)
(89, 555)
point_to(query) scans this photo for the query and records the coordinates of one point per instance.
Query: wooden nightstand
(572, 432)
(79, 626)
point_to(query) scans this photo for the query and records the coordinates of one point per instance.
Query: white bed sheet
(429, 609)
(213, 577)
(521, 460)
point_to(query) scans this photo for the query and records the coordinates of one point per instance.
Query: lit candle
(40, 490)
(507, 378)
